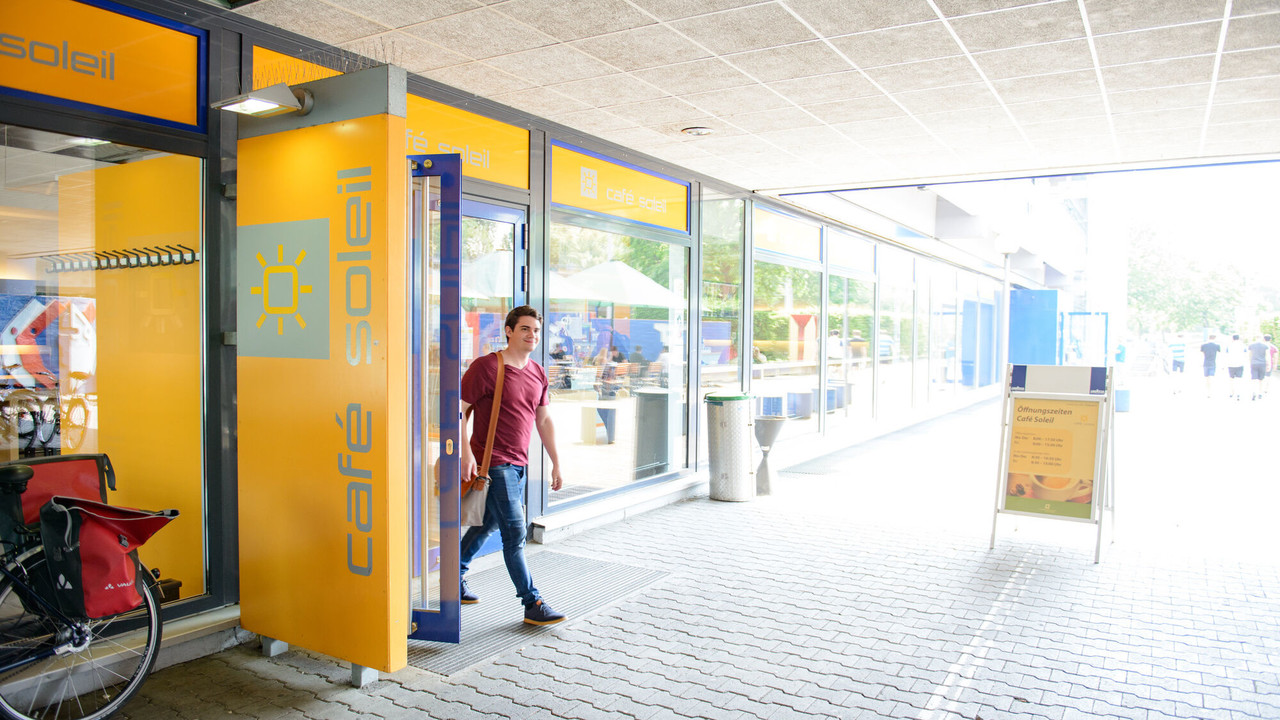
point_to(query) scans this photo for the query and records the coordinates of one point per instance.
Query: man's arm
(547, 432)
(465, 457)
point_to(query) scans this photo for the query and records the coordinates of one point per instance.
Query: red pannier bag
(90, 552)
(83, 476)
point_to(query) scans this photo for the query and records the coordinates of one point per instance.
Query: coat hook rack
(120, 259)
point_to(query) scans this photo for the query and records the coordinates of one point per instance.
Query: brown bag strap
(493, 416)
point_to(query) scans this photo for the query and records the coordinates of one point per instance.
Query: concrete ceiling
(831, 94)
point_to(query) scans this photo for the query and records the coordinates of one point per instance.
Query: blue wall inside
(1033, 327)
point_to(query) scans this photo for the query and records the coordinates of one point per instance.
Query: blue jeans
(504, 511)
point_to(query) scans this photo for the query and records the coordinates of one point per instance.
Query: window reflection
(100, 304)
(850, 372)
(786, 346)
(722, 241)
(616, 333)
(894, 346)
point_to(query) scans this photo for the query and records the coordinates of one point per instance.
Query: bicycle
(54, 665)
(63, 420)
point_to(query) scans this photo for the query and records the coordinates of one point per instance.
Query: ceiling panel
(566, 21)
(750, 28)
(643, 47)
(790, 61)
(1020, 26)
(1159, 44)
(473, 33)
(922, 41)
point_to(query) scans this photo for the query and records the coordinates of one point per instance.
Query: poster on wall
(1053, 452)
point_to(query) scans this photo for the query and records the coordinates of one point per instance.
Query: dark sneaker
(466, 596)
(541, 613)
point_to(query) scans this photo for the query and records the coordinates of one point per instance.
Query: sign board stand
(1057, 455)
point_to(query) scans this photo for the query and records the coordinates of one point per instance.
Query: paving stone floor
(871, 593)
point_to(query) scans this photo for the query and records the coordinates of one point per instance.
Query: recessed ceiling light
(697, 131)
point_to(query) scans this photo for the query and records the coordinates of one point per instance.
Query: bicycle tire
(88, 683)
(47, 427)
(74, 425)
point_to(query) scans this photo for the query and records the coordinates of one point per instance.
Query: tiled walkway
(871, 593)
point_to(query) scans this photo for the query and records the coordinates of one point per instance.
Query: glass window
(942, 329)
(851, 306)
(920, 357)
(850, 251)
(895, 334)
(617, 330)
(970, 323)
(786, 323)
(786, 235)
(487, 285)
(722, 244)
(989, 298)
(100, 293)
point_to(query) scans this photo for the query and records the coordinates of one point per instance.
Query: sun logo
(280, 281)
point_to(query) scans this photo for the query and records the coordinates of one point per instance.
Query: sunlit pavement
(870, 592)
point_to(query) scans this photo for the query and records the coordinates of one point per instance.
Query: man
(1210, 350)
(1235, 355)
(1259, 364)
(1273, 362)
(1178, 353)
(523, 407)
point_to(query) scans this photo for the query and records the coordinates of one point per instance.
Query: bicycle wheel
(93, 679)
(47, 428)
(75, 423)
(25, 412)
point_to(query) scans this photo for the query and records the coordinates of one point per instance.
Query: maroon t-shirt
(523, 390)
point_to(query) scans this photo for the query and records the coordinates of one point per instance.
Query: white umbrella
(488, 276)
(560, 287)
(618, 283)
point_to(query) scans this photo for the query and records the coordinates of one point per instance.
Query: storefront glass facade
(616, 333)
(101, 303)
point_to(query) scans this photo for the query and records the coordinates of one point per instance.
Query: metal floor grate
(575, 586)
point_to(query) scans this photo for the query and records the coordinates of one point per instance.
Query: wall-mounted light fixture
(268, 101)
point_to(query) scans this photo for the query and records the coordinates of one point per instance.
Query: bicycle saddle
(15, 477)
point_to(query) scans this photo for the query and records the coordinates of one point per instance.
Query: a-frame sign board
(1056, 448)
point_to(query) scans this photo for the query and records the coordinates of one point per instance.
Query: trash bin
(729, 433)
(767, 429)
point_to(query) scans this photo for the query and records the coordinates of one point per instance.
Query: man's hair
(1267, 338)
(514, 316)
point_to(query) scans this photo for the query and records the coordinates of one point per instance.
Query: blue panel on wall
(1033, 327)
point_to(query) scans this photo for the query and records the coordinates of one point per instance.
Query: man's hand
(468, 464)
(556, 481)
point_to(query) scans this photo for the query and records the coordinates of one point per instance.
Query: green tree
(1169, 290)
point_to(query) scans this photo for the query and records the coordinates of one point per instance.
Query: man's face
(526, 334)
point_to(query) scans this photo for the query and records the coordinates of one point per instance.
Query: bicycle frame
(29, 593)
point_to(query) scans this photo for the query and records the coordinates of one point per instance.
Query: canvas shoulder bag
(476, 490)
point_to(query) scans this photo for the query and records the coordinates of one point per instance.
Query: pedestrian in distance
(1272, 363)
(1210, 350)
(1259, 364)
(1178, 353)
(1235, 355)
(523, 407)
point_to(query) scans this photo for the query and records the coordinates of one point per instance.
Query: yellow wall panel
(146, 391)
(322, 402)
(89, 54)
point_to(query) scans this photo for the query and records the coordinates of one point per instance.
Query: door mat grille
(575, 586)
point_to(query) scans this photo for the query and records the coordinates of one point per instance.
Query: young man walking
(524, 407)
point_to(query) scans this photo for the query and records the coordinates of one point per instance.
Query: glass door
(494, 280)
(435, 366)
